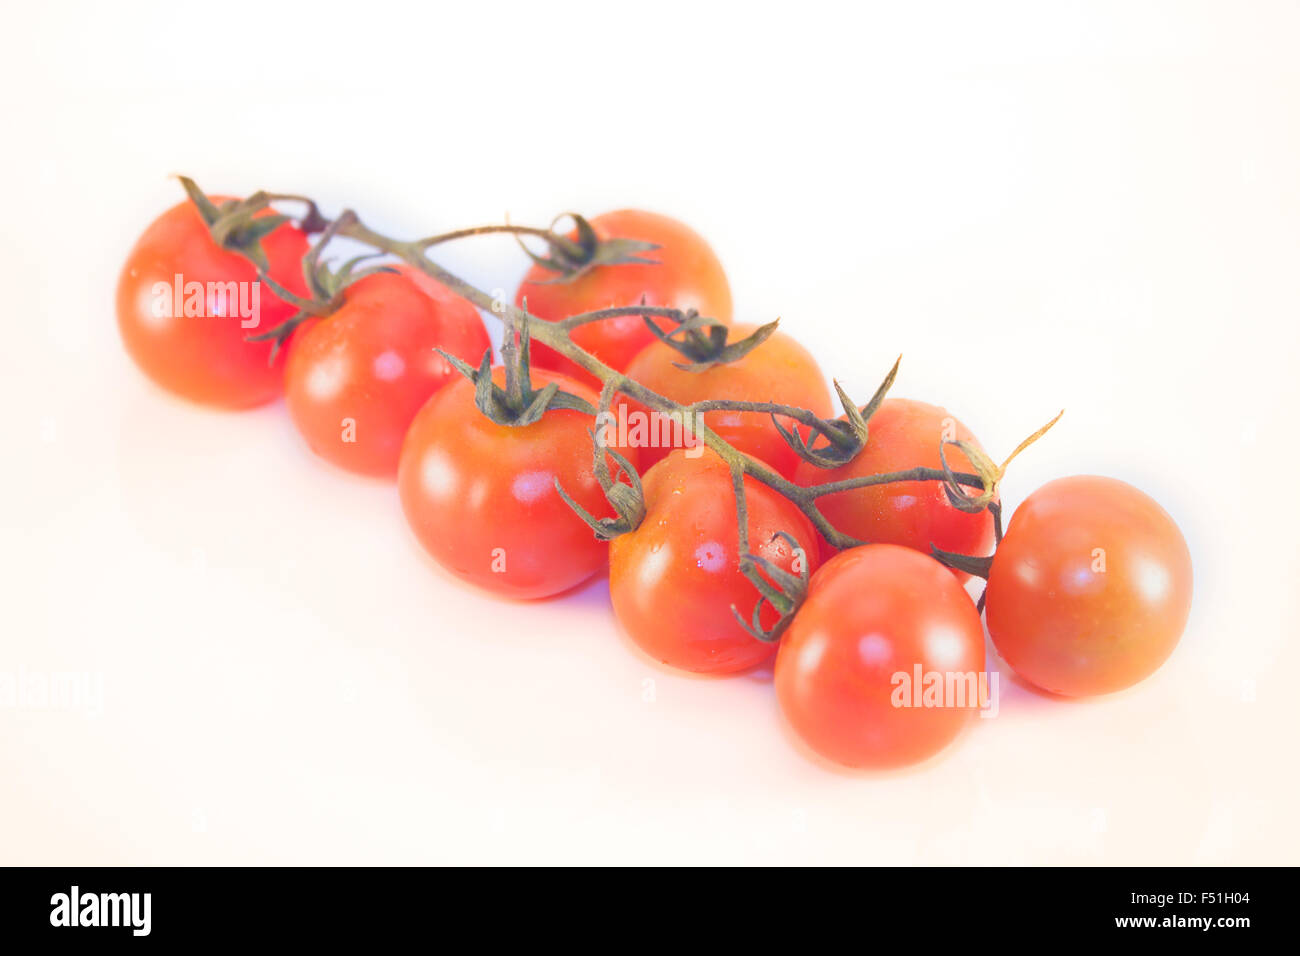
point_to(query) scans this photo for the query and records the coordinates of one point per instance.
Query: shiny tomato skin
(674, 580)
(1090, 588)
(873, 613)
(205, 359)
(481, 497)
(687, 275)
(779, 370)
(904, 434)
(356, 378)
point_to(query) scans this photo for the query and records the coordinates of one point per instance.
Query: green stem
(551, 237)
(654, 311)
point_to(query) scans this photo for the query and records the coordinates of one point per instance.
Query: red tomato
(356, 378)
(846, 674)
(176, 268)
(688, 276)
(778, 370)
(916, 514)
(1090, 588)
(481, 496)
(674, 580)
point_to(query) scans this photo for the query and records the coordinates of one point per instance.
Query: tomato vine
(702, 339)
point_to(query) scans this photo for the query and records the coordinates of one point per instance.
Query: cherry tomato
(481, 497)
(687, 276)
(185, 307)
(916, 514)
(875, 619)
(356, 379)
(778, 370)
(674, 580)
(1090, 588)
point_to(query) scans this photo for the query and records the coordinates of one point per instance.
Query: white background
(1040, 205)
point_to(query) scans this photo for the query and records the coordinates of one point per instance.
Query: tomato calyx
(990, 475)
(989, 472)
(703, 340)
(842, 438)
(571, 258)
(235, 224)
(518, 404)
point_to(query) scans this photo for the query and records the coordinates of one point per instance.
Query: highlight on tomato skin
(686, 275)
(356, 378)
(186, 306)
(674, 580)
(778, 370)
(881, 627)
(1091, 587)
(904, 433)
(481, 498)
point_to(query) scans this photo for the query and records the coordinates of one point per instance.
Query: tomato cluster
(837, 550)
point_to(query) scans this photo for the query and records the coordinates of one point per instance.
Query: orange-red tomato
(881, 665)
(481, 497)
(778, 370)
(916, 514)
(1090, 588)
(185, 307)
(674, 580)
(687, 276)
(356, 378)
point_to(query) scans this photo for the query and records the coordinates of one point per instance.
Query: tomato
(356, 379)
(687, 276)
(1090, 588)
(916, 514)
(674, 580)
(481, 497)
(177, 268)
(778, 370)
(876, 618)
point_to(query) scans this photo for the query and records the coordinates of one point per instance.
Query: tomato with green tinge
(1091, 587)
